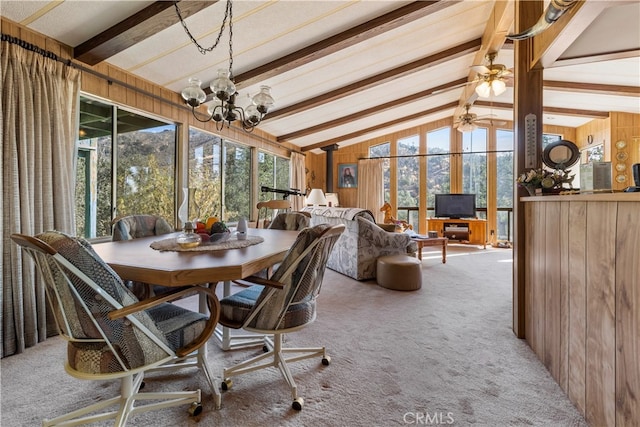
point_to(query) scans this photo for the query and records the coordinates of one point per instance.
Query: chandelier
(222, 107)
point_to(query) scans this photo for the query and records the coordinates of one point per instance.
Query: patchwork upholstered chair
(270, 205)
(111, 335)
(284, 303)
(291, 221)
(134, 227)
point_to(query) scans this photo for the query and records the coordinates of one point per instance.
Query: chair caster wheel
(195, 409)
(326, 360)
(265, 348)
(226, 384)
(297, 404)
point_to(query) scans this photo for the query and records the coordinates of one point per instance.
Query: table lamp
(316, 197)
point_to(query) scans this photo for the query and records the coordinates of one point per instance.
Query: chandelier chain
(204, 50)
(230, 13)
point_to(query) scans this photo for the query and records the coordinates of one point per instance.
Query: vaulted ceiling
(345, 71)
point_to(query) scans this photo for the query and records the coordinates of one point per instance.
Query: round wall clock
(621, 167)
(621, 144)
(622, 156)
(621, 178)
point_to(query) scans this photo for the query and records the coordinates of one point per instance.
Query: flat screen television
(455, 206)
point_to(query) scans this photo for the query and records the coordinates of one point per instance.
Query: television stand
(471, 231)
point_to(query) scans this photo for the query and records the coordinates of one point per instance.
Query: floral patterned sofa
(357, 250)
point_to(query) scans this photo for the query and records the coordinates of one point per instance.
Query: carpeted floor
(445, 354)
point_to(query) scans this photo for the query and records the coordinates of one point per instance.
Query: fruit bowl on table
(217, 238)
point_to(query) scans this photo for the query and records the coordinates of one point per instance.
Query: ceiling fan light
(193, 94)
(467, 127)
(483, 90)
(498, 86)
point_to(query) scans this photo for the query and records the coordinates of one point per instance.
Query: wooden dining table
(136, 260)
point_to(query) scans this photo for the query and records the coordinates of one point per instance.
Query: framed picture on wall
(347, 175)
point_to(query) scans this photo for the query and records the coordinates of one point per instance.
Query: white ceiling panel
(265, 31)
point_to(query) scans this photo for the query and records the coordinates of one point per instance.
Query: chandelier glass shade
(491, 84)
(222, 107)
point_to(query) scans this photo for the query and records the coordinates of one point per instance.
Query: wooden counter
(582, 299)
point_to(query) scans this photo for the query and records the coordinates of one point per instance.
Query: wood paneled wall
(582, 300)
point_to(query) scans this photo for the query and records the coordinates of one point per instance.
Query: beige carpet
(442, 355)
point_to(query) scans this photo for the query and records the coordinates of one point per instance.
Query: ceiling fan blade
(435, 92)
(491, 122)
(481, 69)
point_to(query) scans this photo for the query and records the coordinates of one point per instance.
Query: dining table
(136, 260)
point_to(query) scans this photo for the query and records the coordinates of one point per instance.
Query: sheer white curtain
(297, 179)
(38, 127)
(371, 186)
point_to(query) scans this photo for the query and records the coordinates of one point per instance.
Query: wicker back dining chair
(134, 227)
(274, 206)
(111, 335)
(284, 303)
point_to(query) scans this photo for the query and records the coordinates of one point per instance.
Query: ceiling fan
(468, 122)
(491, 77)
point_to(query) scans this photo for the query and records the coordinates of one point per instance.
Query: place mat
(233, 243)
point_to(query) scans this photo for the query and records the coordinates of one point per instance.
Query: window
(504, 183)
(273, 172)
(474, 165)
(408, 176)
(438, 164)
(384, 150)
(133, 176)
(236, 181)
(205, 175)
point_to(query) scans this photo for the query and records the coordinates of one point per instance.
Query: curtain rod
(48, 54)
(433, 154)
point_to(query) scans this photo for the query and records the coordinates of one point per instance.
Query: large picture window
(474, 165)
(273, 172)
(438, 164)
(126, 166)
(384, 150)
(408, 176)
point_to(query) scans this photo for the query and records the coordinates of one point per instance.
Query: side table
(432, 241)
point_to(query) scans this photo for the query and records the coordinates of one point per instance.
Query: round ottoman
(399, 272)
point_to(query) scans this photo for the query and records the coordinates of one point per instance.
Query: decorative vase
(242, 229)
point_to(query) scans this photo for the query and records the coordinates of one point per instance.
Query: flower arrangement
(544, 179)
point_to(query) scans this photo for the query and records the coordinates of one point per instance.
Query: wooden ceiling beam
(378, 79)
(495, 34)
(551, 43)
(349, 118)
(600, 89)
(147, 22)
(549, 110)
(350, 37)
(379, 127)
